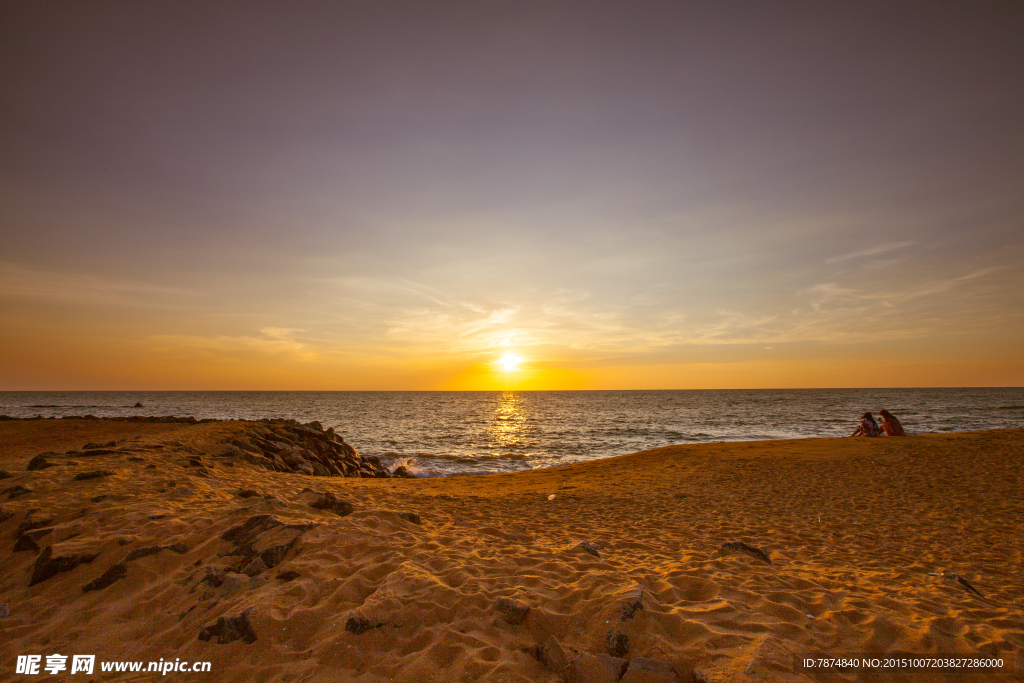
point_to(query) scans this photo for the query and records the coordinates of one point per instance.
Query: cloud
(872, 251)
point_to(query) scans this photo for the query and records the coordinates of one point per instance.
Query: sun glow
(509, 362)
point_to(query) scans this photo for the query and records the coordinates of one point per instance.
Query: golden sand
(864, 539)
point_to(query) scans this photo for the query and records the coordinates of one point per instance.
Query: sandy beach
(712, 562)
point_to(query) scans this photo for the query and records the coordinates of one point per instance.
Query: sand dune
(869, 546)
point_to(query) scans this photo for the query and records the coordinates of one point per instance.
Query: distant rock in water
(139, 405)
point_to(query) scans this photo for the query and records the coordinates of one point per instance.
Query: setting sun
(509, 362)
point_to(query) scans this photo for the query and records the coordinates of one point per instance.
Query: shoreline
(736, 556)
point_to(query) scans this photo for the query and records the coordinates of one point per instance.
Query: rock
(956, 578)
(320, 470)
(288, 575)
(95, 446)
(138, 405)
(99, 499)
(512, 611)
(15, 491)
(410, 517)
(136, 458)
(553, 656)
(35, 521)
(116, 572)
(643, 670)
(230, 629)
(24, 543)
(247, 493)
(52, 562)
(587, 548)
(92, 475)
(617, 643)
(328, 501)
(139, 553)
(5, 515)
(403, 472)
(588, 668)
(4, 474)
(4, 611)
(257, 566)
(248, 531)
(634, 601)
(40, 463)
(213, 577)
(265, 538)
(748, 549)
(358, 624)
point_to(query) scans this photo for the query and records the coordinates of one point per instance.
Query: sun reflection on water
(508, 427)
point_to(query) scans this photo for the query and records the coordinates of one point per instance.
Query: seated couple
(868, 426)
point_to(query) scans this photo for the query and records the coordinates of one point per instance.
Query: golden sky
(532, 196)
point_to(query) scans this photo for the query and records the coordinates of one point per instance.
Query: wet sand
(869, 546)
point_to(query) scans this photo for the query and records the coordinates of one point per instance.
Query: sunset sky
(490, 195)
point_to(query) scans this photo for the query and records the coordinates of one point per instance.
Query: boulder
(587, 548)
(4, 474)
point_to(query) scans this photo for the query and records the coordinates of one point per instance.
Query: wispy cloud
(871, 251)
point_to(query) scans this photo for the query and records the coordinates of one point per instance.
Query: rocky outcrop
(230, 629)
(52, 562)
(288, 446)
(262, 542)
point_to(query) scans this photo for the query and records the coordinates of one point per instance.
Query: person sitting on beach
(868, 426)
(890, 424)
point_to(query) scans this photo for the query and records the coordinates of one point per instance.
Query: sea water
(462, 432)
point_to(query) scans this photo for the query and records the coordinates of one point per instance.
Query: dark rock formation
(748, 549)
(4, 474)
(262, 542)
(587, 548)
(288, 575)
(116, 572)
(358, 624)
(15, 491)
(230, 629)
(633, 602)
(40, 462)
(92, 475)
(52, 562)
(328, 501)
(617, 643)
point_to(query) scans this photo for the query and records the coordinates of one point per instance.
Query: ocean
(440, 433)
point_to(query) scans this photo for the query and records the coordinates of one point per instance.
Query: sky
(493, 195)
